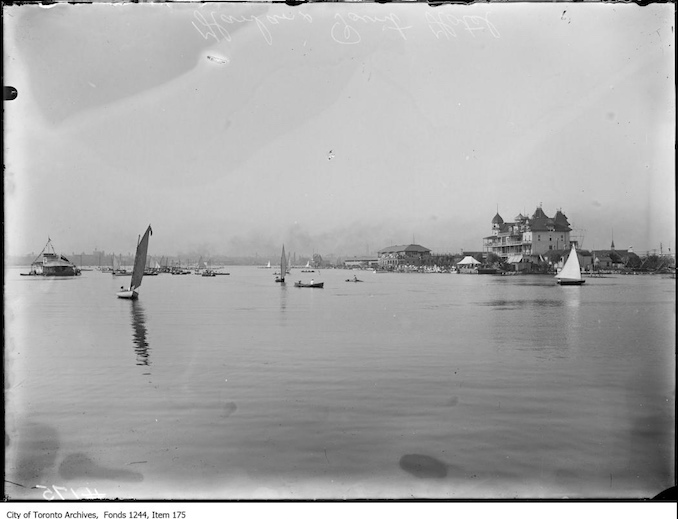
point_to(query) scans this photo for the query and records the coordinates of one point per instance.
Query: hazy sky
(335, 128)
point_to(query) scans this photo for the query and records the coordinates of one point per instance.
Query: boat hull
(60, 273)
(51, 264)
(128, 294)
(309, 285)
(572, 282)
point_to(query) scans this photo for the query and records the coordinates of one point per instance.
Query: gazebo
(469, 265)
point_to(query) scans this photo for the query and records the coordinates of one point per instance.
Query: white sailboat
(139, 267)
(283, 266)
(570, 274)
(117, 267)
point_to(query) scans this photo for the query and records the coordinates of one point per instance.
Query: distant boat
(268, 266)
(570, 274)
(354, 280)
(312, 284)
(139, 267)
(152, 271)
(117, 269)
(51, 264)
(201, 266)
(179, 271)
(283, 266)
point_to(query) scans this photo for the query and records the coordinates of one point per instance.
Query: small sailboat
(208, 272)
(570, 274)
(117, 267)
(283, 266)
(139, 267)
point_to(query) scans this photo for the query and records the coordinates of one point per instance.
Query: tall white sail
(571, 271)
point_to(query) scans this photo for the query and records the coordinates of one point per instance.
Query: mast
(283, 264)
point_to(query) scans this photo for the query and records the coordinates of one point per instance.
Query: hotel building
(527, 239)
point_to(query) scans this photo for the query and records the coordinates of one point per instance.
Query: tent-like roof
(469, 260)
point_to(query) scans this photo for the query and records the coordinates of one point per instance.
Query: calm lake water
(405, 385)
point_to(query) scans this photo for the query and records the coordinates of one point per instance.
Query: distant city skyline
(335, 128)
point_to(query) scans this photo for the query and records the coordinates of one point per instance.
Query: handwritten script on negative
(347, 27)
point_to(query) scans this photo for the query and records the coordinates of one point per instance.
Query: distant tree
(615, 257)
(493, 258)
(651, 262)
(632, 260)
(553, 256)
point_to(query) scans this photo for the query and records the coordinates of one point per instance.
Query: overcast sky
(335, 128)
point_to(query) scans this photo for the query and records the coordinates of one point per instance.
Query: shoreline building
(392, 257)
(527, 240)
(361, 262)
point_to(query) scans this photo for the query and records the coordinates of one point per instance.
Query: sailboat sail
(283, 264)
(140, 260)
(571, 271)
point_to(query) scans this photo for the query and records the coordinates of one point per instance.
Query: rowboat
(309, 285)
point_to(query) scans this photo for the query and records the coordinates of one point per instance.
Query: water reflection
(139, 333)
(572, 303)
(571, 296)
(283, 297)
(510, 304)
